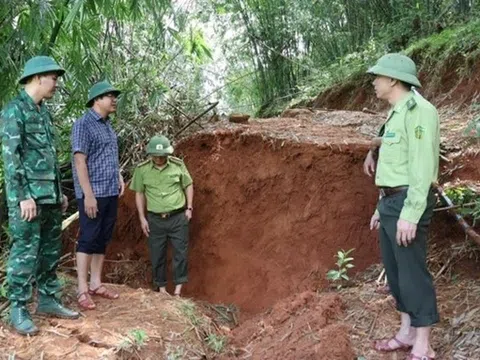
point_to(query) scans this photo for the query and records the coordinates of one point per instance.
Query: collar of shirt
(27, 99)
(154, 166)
(403, 102)
(97, 116)
(400, 105)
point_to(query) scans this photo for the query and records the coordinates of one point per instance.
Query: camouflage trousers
(35, 252)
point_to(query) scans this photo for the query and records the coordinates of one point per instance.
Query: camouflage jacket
(29, 154)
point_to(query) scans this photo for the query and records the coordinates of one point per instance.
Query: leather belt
(387, 191)
(168, 214)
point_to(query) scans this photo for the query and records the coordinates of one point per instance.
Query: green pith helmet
(396, 66)
(40, 65)
(159, 146)
(99, 89)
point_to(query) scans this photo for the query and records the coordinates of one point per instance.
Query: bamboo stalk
(68, 221)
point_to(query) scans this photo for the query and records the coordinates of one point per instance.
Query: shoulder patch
(419, 131)
(411, 104)
(143, 163)
(176, 160)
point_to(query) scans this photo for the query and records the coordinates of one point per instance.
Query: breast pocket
(174, 178)
(390, 149)
(35, 136)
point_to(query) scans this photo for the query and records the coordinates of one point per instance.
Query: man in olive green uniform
(164, 185)
(407, 167)
(34, 195)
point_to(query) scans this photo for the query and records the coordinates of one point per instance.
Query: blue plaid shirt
(93, 136)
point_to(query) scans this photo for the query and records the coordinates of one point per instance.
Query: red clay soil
(270, 218)
(453, 83)
(104, 332)
(303, 326)
(270, 214)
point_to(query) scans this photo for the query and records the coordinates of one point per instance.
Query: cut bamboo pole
(68, 221)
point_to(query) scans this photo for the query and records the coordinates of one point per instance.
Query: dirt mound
(303, 326)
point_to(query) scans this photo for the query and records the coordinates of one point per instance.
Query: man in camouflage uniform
(34, 196)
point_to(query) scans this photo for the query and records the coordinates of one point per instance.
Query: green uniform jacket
(163, 186)
(410, 151)
(29, 154)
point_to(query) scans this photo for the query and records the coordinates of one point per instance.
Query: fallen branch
(196, 118)
(455, 207)
(466, 227)
(379, 280)
(444, 267)
(444, 158)
(4, 306)
(368, 111)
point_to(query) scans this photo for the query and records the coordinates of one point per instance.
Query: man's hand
(145, 227)
(64, 204)
(406, 232)
(91, 208)
(375, 222)
(121, 184)
(188, 214)
(28, 209)
(369, 164)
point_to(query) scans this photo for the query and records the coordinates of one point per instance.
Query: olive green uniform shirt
(409, 154)
(163, 186)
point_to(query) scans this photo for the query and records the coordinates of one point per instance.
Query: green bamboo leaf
(77, 6)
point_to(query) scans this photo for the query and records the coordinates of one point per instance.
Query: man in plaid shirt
(98, 183)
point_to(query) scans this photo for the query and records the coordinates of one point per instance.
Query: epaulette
(143, 163)
(176, 160)
(411, 104)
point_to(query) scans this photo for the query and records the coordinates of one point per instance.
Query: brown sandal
(107, 294)
(86, 303)
(382, 345)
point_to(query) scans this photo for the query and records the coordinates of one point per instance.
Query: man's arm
(141, 203)
(138, 186)
(187, 185)
(12, 148)
(422, 128)
(189, 195)
(80, 161)
(80, 145)
(90, 201)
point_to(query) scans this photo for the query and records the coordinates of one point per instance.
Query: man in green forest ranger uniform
(407, 167)
(164, 187)
(34, 196)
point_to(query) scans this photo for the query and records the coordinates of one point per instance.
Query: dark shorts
(96, 233)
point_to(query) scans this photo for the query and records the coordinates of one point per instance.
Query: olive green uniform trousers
(175, 229)
(410, 281)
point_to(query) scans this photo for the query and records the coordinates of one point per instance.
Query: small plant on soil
(216, 342)
(135, 340)
(344, 262)
(189, 310)
(175, 354)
